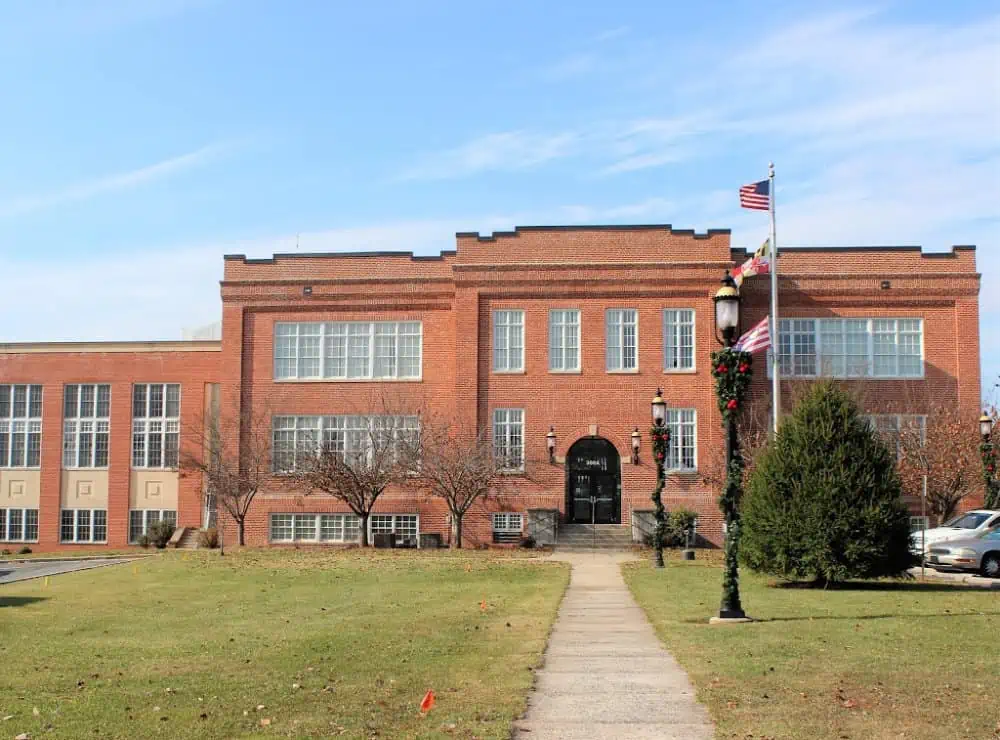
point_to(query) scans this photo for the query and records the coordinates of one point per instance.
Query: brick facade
(534, 270)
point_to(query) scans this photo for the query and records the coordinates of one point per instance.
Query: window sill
(83, 542)
(634, 371)
(293, 381)
(84, 470)
(136, 468)
(511, 473)
(680, 371)
(18, 542)
(565, 372)
(509, 372)
(26, 469)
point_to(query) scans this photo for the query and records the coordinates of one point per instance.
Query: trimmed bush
(528, 542)
(208, 538)
(824, 501)
(160, 534)
(24, 550)
(679, 522)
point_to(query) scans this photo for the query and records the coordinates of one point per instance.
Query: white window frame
(877, 421)
(97, 425)
(509, 337)
(26, 426)
(348, 434)
(148, 519)
(146, 428)
(7, 529)
(90, 527)
(674, 423)
(870, 369)
(675, 320)
(617, 363)
(349, 522)
(395, 521)
(321, 339)
(505, 422)
(502, 521)
(564, 322)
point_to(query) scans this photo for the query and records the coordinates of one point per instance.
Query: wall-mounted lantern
(550, 444)
(636, 444)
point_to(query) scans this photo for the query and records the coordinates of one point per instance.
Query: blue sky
(139, 141)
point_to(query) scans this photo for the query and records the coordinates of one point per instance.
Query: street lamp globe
(985, 426)
(659, 409)
(727, 309)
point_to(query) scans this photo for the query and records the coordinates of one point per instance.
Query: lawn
(890, 660)
(276, 644)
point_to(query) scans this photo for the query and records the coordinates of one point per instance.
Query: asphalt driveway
(13, 572)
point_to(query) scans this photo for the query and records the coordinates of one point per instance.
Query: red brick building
(565, 328)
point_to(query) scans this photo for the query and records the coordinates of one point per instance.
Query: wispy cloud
(115, 182)
(505, 151)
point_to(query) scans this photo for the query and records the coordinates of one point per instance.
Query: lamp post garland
(988, 452)
(660, 435)
(732, 371)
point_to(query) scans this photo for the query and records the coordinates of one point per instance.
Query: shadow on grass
(20, 600)
(877, 586)
(854, 618)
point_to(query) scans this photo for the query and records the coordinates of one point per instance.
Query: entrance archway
(593, 482)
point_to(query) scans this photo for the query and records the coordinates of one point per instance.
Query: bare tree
(945, 448)
(233, 458)
(459, 466)
(354, 460)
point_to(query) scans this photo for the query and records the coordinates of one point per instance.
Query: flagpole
(775, 343)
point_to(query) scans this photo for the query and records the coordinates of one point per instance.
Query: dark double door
(593, 482)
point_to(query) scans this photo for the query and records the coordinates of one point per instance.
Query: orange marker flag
(427, 703)
(482, 605)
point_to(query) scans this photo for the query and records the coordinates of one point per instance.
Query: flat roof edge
(16, 348)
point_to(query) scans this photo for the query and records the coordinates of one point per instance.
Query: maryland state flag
(759, 264)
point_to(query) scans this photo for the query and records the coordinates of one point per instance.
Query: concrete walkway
(606, 675)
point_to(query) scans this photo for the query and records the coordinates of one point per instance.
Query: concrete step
(189, 540)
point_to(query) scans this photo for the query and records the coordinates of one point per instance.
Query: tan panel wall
(20, 489)
(84, 489)
(153, 489)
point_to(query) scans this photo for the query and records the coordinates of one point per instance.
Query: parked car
(963, 526)
(979, 553)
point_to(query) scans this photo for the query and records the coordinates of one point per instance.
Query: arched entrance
(593, 482)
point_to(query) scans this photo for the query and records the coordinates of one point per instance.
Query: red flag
(482, 605)
(427, 703)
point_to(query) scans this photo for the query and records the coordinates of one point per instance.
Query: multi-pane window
(18, 525)
(295, 438)
(508, 341)
(86, 422)
(564, 340)
(348, 350)
(315, 528)
(507, 527)
(140, 520)
(622, 339)
(508, 438)
(678, 339)
(404, 526)
(850, 348)
(682, 452)
(20, 426)
(156, 410)
(84, 525)
(899, 430)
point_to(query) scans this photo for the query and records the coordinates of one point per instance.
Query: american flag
(756, 339)
(756, 195)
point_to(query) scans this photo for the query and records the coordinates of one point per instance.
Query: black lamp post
(988, 452)
(660, 437)
(727, 322)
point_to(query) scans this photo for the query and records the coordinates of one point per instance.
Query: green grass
(189, 645)
(887, 660)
